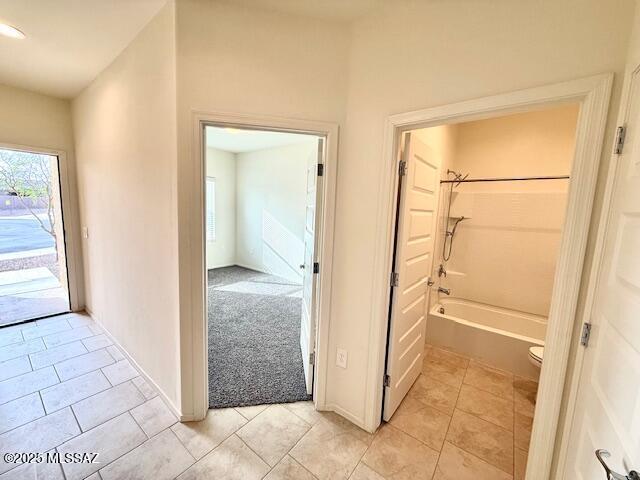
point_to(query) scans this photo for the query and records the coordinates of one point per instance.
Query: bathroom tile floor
(65, 388)
(476, 417)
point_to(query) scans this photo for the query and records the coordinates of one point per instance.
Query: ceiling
(239, 141)
(68, 41)
(336, 10)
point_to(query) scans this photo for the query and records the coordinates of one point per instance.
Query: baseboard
(188, 418)
(224, 265)
(142, 372)
(359, 422)
(252, 267)
(257, 269)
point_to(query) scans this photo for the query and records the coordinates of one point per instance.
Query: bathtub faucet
(446, 291)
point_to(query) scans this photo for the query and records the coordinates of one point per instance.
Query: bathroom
(503, 194)
(481, 211)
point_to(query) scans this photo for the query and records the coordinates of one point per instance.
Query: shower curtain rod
(515, 179)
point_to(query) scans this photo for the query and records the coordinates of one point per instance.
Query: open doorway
(480, 218)
(262, 192)
(33, 267)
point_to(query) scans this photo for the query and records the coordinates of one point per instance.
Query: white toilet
(535, 355)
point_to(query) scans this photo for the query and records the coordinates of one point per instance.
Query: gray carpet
(254, 339)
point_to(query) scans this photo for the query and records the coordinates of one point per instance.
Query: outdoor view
(33, 277)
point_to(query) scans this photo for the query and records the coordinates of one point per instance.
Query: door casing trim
(593, 94)
(193, 325)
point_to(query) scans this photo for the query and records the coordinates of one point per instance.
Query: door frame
(195, 401)
(593, 94)
(69, 221)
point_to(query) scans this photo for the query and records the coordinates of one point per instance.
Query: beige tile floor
(476, 417)
(65, 388)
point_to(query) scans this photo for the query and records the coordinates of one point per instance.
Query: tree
(28, 177)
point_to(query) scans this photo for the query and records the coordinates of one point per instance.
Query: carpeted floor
(254, 339)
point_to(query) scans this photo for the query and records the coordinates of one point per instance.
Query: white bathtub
(493, 335)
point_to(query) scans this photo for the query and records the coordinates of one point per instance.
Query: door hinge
(312, 358)
(621, 133)
(402, 168)
(386, 381)
(586, 334)
(320, 169)
(316, 267)
(395, 278)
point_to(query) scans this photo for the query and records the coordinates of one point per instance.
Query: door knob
(611, 475)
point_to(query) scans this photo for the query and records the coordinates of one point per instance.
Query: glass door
(33, 267)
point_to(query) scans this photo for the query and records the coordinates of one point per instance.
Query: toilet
(535, 355)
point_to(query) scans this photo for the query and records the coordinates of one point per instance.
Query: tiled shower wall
(505, 251)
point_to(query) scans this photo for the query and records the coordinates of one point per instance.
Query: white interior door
(414, 246)
(309, 277)
(607, 412)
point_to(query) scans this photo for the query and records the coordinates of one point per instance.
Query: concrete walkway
(30, 293)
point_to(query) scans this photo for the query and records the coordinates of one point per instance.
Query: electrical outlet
(85, 232)
(341, 358)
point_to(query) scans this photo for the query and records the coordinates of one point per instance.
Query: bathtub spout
(446, 291)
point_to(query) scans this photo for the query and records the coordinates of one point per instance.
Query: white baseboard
(224, 265)
(143, 374)
(359, 422)
(188, 418)
(252, 267)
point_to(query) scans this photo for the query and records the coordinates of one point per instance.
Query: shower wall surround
(505, 250)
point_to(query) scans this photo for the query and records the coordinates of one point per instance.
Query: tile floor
(65, 388)
(477, 418)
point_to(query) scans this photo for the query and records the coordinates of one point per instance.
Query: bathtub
(493, 335)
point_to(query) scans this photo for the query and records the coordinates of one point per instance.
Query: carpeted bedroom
(260, 222)
(254, 339)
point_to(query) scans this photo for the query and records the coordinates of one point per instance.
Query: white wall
(36, 120)
(412, 55)
(222, 166)
(271, 199)
(125, 130)
(233, 58)
(526, 144)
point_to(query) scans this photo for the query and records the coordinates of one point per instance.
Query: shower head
(457, 176)
(461, 179)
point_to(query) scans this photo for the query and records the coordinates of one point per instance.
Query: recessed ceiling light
(9, 31)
